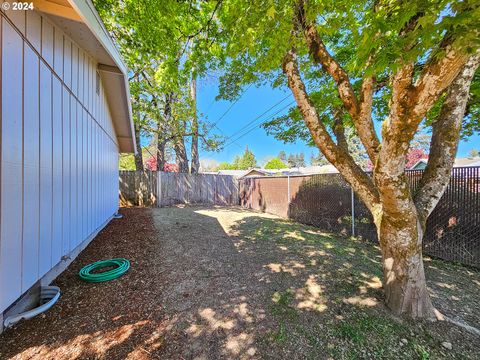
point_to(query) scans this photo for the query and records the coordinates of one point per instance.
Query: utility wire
(229, 108)
(260, 123)
(215, 124)
(255, 126)
(239, 146)
(258, 117)
(246, 127)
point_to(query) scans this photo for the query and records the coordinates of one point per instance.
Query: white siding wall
(59, 156)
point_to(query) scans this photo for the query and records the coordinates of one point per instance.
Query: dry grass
(211, 283)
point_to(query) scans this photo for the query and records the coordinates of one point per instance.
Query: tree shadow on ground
(211, 283)
(334, 283)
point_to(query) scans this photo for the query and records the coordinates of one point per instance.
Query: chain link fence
(327, 201)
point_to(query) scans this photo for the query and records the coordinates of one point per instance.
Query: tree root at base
(471, 329)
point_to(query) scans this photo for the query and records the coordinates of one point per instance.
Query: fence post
(353, 210)
(288, 191)
(215, 190)
(159, 189)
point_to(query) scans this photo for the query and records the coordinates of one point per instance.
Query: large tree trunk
(399, 215)
(402, 223)
(138, 155)
(160, 154)
(195, 162)
(181, 155)
(163, 123)
(404, 278)
(139, 166)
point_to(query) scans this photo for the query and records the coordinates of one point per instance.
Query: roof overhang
(81, 22)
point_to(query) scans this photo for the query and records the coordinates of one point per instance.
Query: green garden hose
(121, 266)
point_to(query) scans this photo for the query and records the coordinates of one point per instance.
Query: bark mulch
(227, 283)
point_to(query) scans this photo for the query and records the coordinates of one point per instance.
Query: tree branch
(360, 111)
(411, 102)
(364, 123)
(389, 169)
(204, 27)
(444, 143)
(340, 158)
(321, 56)
(435, 77)
(409, 105)
(339, 129)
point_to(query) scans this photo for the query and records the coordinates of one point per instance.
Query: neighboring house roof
(419, 165)
(238, 173)
(241, 173)
(309, 170)
(460, 162)
(323, 169)
(258, 172)
(79, 20)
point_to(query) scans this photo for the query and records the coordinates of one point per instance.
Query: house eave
(81, 22)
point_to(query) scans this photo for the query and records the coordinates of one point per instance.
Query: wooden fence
(148, 188)
(138, 188)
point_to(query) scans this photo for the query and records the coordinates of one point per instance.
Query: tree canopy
(275, 163)
(164, 44)
(348, 64)
(241, 162)
(363, 35)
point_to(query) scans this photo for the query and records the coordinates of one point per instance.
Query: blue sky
(253, 103)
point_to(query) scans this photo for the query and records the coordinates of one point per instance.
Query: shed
(65, 116)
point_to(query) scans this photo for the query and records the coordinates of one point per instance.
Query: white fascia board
(87, 12)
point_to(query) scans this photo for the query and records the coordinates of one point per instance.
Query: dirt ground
(227, 283)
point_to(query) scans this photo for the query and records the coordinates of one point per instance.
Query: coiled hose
(121, 266)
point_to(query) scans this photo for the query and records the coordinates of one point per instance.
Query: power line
(258, 117)
(258, 122)
(250, 123)
(210, 106)
(230, 108)
(214, 125)
(254, 127)
(227, 138)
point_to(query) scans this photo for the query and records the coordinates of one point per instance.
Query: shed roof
(79, 20)
(469, 161)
